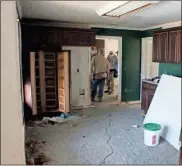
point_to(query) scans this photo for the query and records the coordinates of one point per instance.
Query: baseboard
(132, 102)
(80, 107)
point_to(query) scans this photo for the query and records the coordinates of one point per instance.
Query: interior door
(100, 44)
(63, 81)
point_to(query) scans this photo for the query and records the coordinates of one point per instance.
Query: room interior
(38, 33)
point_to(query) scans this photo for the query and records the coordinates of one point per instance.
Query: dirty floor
(101, 136)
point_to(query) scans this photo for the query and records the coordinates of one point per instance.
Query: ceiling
(85, 12)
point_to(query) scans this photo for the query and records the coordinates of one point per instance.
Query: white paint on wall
(79, 76)
(148, 68)
(12, 128)
(110, 45)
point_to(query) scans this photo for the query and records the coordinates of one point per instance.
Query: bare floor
(101, 135)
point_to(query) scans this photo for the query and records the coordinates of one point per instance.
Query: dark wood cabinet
(167, 46)
(77, 38)
(163, 46)
(156, 56)
(148, 90)
(179, 57)
(53, 38)
(49, 37)
(173, 46)
(31, 38)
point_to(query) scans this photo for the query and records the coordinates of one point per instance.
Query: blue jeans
(95, 84)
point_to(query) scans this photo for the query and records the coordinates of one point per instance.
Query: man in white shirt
(113, 62)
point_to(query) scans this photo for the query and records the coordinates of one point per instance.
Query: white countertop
(151, 82)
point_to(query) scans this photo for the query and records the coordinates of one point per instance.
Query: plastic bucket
(151, 134)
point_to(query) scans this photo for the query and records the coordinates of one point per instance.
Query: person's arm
(107, 67)
(92, 65)
(116, 61)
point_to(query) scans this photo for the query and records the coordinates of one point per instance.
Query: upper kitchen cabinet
(50, 38)
(78, 38)
(167, 46)
(53, 38)
(175, 46)
(179, 57)
(31, 38)
(160, 47)
(156, 56)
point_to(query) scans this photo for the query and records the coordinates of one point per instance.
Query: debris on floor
(33, 155)
(53, 120)
(72, 125)
(41, 159)
(92, 106)
(135, 126)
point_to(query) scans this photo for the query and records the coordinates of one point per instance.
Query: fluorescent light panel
(125, 8)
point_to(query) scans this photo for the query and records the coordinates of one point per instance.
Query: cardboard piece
(165, 109)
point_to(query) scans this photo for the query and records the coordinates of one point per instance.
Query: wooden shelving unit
(37, 76)
(51, 80)
(46, 81)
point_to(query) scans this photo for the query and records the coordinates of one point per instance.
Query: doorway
(112, 43)
(149, 69)
(50, 81)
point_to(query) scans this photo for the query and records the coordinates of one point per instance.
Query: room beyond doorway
(112, 43)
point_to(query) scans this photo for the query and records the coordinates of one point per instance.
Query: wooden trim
(42, 80)
(70, 82)
(33, 82)
(168, 29)
(66, 81)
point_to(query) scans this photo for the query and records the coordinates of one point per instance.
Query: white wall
(12, 128)
(110, 45)
(80, 80)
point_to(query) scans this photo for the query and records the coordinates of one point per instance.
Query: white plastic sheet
(165, 109)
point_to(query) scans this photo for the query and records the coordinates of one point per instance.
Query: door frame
(119, 62)
(143, 60)
(70, 80)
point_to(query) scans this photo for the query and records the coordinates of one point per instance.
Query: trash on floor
(33, 155)
(53, 120)
(135, 126)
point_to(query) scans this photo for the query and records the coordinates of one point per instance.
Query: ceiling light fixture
(124, 8)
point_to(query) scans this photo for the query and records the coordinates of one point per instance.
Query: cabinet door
(63, 81)
(78, 38)
(50, 38)
(31, 38)
(144, 102)
(163, 46)
(155, 55)
(149, 97)
(179, 57)
(173, 47)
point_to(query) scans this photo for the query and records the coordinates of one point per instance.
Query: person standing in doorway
(99, 70)
(93, 52)
(113, 62)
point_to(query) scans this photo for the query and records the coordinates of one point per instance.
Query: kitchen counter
(151, 82)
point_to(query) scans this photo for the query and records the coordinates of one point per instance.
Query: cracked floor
(102, 136)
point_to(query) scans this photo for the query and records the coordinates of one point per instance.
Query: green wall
(165, 68)
(131, 60)
(131, 54)
(170, 69)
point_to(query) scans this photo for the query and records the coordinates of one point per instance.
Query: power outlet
(82, 92)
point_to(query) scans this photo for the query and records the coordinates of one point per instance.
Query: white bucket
(151, 134)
